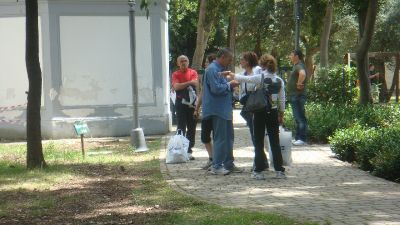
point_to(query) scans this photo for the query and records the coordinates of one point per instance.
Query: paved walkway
(319, 188)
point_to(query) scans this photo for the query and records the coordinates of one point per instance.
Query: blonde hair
(268, 62)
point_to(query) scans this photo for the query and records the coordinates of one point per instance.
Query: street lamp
(297, 24)
(137, 136)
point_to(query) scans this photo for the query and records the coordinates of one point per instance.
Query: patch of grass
(31, 191)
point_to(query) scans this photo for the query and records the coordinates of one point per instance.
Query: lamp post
(297, 24)
(137, 136)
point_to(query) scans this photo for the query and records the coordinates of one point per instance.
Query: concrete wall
(86, 68)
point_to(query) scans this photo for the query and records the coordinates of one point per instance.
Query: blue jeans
(222, 143)
(297, 102)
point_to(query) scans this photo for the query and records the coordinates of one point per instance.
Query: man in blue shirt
(217, 106)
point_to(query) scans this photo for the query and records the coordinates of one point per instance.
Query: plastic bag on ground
(177, 149)
(285, 141)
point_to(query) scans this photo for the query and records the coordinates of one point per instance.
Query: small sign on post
(81, 128)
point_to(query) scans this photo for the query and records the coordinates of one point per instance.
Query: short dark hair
(251, 58)
(224, 52)
(298, 53)
(211, 57)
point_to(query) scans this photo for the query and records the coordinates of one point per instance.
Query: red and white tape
(8, 108)
(23, 122)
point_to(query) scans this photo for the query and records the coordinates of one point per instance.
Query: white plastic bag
(177, 149)
(172, 95)
(285, 141)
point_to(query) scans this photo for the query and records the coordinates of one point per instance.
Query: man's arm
(300, 81)
(181, 86)
(376, 75)
(216, 86)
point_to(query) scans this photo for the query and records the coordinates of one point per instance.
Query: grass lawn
(112, 185)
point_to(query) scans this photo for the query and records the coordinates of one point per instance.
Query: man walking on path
(185, 83)
(296, 89)
(217, 106)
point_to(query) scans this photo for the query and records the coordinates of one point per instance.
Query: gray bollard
(138, 141)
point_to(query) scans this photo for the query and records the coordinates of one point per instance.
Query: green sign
(81, 127)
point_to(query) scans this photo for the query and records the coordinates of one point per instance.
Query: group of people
(214, 95)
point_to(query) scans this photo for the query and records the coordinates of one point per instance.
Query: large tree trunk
(362, 53)
(203, 33)
(324, 42)
(232, 28)
(34, 157)
(308, 61)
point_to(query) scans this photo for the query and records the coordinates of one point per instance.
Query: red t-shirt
(182, 77)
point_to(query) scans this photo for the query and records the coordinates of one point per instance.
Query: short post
(81, 128)
(83, 146)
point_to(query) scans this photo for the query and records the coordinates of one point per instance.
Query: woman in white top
(249, 62)
(267, 119)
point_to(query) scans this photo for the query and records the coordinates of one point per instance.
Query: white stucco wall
(13, 75)
(86, 67)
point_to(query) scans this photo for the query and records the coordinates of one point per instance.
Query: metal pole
(137, 135)
(297, 23)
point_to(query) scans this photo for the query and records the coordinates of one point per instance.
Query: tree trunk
(35, 158)
(257, 47)
(324, 43)
(362, 53)
(380, 66)
(203, 33)
(232, 28)
(395, 80)
(308, 61)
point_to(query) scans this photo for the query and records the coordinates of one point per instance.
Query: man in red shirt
(184, 82)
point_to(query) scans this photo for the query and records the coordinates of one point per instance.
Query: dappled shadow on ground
(319, 187)
(109, 191)
(104, 195)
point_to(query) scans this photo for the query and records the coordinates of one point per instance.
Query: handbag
(259, 99)
(243, 99)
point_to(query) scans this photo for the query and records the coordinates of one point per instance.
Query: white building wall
(86, 67)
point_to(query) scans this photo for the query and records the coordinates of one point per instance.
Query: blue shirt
(217, 95)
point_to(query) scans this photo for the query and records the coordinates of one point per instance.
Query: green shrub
(324, 119)
(346, 143)
(374, 149)
(336, 85)
(387, 164)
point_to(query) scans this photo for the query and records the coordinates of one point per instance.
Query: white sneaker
(299, 143)
(221, 171)
(280, 175)
(257, 175)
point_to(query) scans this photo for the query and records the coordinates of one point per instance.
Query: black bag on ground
(259, 99)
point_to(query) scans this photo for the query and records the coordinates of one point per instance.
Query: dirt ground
(105, 196)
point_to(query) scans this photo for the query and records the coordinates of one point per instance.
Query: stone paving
(319, 187)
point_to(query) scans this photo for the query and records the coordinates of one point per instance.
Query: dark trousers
(267, 120)
(186, 122)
